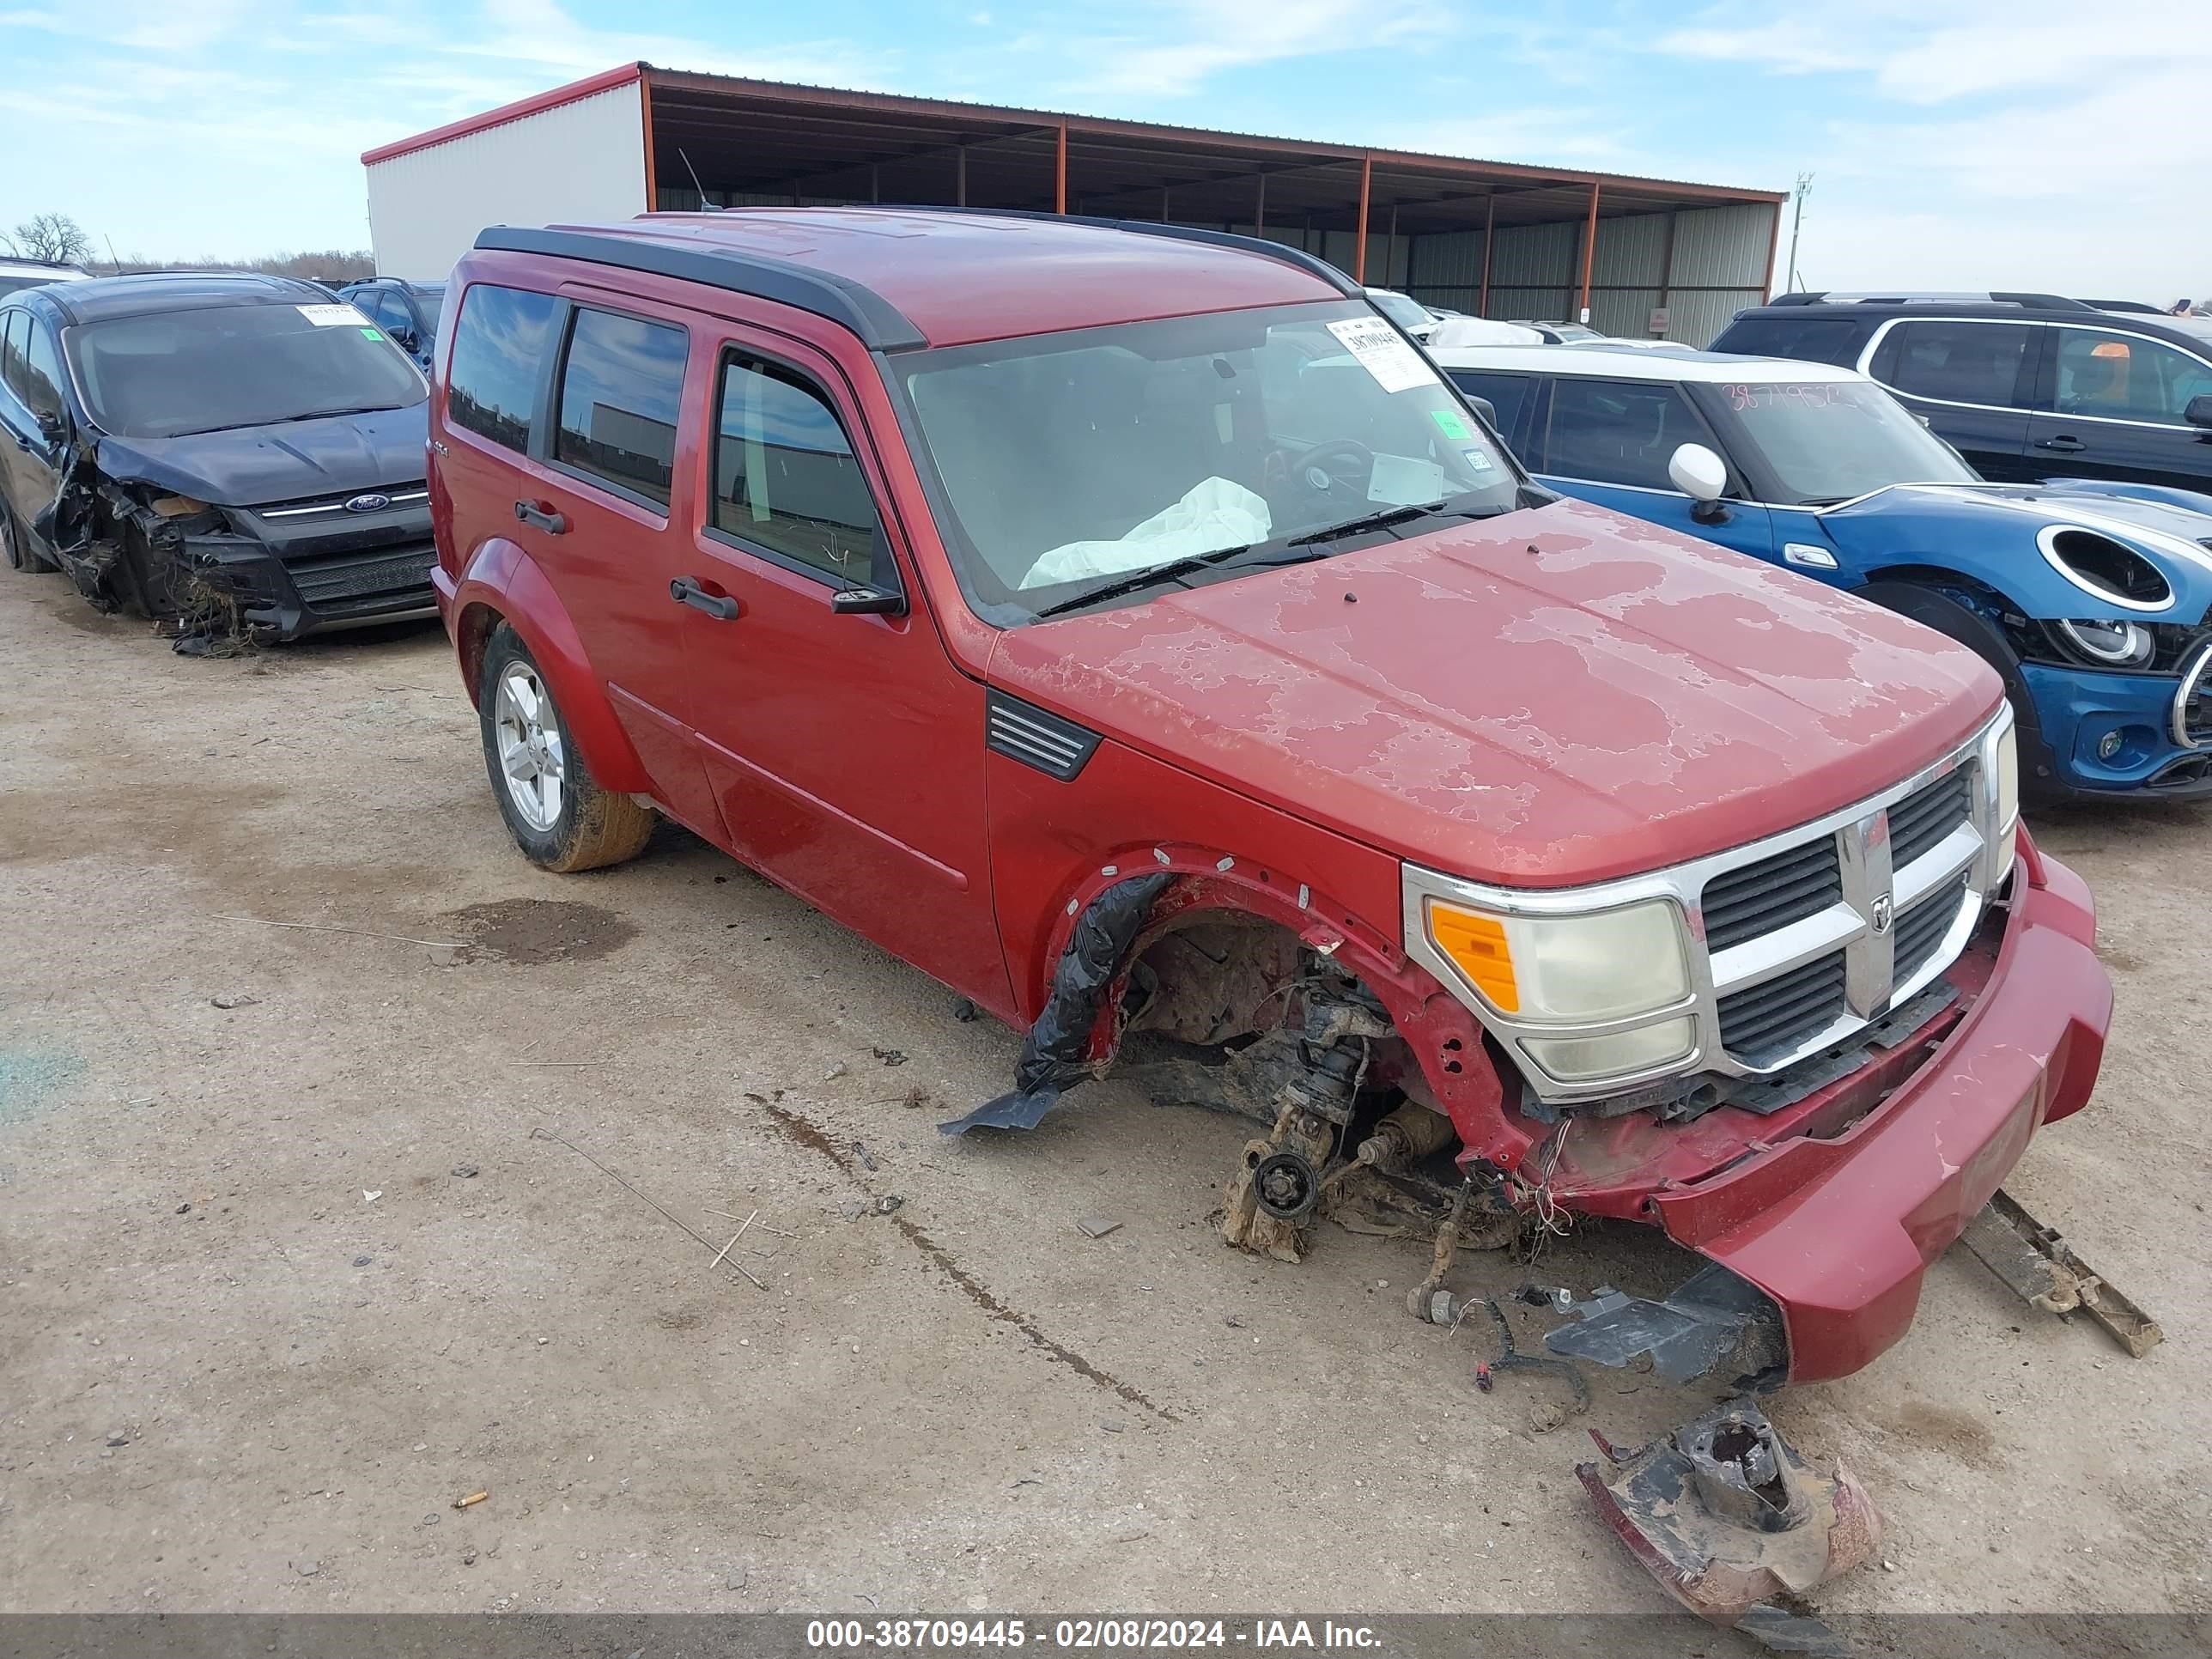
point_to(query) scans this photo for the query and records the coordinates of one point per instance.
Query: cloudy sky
(1955, 144)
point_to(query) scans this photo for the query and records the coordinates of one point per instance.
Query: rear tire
(557, 813)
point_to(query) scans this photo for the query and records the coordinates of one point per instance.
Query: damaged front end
(216, 577)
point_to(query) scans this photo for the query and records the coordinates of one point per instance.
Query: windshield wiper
(1456, 507)
(320, 414)
(1173, 570)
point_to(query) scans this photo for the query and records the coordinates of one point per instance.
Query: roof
(1631, 363)
(103, 297)
(905, 277)
(59, 270)
(2022, 309)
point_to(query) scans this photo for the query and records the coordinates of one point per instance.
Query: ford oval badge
(368, 503)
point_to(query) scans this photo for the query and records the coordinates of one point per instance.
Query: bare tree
(51, 236)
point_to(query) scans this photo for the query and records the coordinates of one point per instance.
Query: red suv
(1130, 628)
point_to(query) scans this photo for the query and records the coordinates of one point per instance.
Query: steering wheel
(1311, 468)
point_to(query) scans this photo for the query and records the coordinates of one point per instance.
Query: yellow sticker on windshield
(1449, 420)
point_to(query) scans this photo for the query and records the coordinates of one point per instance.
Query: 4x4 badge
(1884, 906)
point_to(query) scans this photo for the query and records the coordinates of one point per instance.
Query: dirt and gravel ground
(284, 1271)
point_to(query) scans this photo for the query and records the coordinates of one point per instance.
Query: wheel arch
(503, 584)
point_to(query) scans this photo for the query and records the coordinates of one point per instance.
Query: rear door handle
(2064, 445)
(720, 606)
(552, 523)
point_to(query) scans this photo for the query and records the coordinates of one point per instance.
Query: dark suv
(2027, 386)
(407, 311)
(228, 454)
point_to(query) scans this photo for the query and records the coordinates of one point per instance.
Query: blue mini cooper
(2089, 598)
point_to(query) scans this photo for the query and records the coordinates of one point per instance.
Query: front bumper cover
(1839, 1231)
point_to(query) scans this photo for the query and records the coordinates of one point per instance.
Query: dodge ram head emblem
(368, 503)
(1883, 905)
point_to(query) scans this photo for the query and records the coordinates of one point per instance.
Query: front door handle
(2063, 445)
(720, 606)
(547, 519)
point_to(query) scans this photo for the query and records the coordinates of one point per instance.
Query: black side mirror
(2199, 412)
(406, 339)
(881, 595)
(55, 430)
(1485, 408)
(867, 602)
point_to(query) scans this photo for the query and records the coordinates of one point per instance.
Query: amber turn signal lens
(1477, 944)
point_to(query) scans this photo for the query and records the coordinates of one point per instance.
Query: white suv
(30, 273)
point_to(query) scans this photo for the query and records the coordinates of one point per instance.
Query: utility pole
(1797, 221)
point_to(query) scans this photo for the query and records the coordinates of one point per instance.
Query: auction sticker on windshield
(338, 316)
(1383, 353)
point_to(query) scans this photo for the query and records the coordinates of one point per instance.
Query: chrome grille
(1807, 937)
(1925, 816)
(411, 493)
(1773, 1019)
(1922, 928)
(1796, 882)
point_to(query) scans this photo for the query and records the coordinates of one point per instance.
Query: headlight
(2113, 644)
(2007, 771)
(1582, 969)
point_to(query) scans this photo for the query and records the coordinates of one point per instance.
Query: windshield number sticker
(1449, 423)
(1383, 353)
(1825, 394)
(337, 316)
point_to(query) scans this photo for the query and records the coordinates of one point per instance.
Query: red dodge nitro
(1129, 628)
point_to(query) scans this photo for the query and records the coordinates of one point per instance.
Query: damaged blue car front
(2090, 599)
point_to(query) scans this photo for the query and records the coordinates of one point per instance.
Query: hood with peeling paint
(253, 467)
(1556, 696)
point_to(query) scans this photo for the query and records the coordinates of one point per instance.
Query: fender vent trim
(1022, 731)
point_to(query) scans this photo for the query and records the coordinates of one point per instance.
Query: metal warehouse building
(1641, 255)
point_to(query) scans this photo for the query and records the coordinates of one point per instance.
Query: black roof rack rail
(2026, 302)
(2041, 301)
(881, 325)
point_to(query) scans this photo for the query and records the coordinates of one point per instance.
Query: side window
(499, 348)
(1621, 432)
(41, 369)
(786, 478)
(1959, 362)
(2125, 377)
(622, 388)
(1508, 394)
(13, 326)
(385, 308)
(1819, 339)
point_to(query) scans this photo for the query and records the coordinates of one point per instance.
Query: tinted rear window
(499, 348)
(1809, 339)
(1959, 362)
(175, 371)
(620, 392)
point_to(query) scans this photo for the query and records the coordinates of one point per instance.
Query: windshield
(1825, 441)
(1401, 308)
(179, 372)
(1074, 461)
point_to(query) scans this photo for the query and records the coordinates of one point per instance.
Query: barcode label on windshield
(1383, 353)
(338, 316)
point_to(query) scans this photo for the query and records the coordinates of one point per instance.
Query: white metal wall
(1717, 264)
(583, 161)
